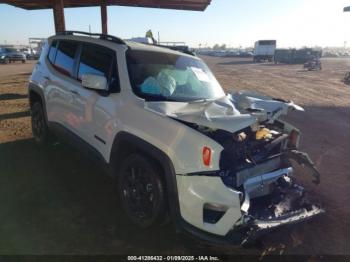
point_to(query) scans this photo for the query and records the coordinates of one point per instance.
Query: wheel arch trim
(162, 159)
(34, 88)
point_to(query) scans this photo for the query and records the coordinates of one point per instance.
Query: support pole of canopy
(58, 14)
(104, 17)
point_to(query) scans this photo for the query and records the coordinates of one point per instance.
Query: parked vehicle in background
(284, 56)
(329, 54)
(8, 55)
(313, 65)
(264, 50)
(305, 55)
(346, 78)
(296, 56)
(30, 53)
(160, 123)
(246, 54)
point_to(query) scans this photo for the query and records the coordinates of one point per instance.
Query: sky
(293, 23)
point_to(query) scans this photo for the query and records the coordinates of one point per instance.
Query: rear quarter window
(52, 53)
(64, 60)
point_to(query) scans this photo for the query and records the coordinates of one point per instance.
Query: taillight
(206, 154)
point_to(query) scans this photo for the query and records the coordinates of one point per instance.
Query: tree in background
(216, 47)
(219, 47)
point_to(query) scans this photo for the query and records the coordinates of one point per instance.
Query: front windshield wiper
(203, 100)
(155, 98)
(159, 99)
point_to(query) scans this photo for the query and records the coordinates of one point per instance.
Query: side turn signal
(206, 154)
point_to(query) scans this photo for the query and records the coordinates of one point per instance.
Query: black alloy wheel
(39, 125)
(141, 191)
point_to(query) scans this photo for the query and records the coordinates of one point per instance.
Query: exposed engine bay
(258, 145)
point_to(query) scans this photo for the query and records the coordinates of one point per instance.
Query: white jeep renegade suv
(218, 164)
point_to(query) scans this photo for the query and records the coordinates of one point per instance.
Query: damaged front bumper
(264, 200)
(286, 205)
(259, 227)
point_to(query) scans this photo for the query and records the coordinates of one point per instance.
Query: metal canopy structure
(58, 7)
(194, 5)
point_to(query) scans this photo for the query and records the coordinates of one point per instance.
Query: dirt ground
(55, 201)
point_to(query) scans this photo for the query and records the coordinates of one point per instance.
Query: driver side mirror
(95, 82)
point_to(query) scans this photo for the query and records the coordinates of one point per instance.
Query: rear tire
(141, 191)
(23, 61)
(40, 129)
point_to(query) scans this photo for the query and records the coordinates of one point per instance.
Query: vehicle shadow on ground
(11, 96)
(56, 201)
(14, 115)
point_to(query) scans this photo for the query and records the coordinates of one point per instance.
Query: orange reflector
(206, 156)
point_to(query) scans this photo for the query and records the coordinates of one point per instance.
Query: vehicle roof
(148, 47)
(130, 44)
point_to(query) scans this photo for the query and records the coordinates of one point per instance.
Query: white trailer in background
(264, 50)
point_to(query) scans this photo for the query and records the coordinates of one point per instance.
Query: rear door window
(64, 61)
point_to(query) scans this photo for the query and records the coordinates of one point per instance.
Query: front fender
(265, 107)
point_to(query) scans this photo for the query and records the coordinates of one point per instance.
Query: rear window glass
(65, 57)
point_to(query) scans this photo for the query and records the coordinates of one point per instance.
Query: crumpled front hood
(218, 114)
(231, 113)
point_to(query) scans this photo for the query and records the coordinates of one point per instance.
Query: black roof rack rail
(101, 36)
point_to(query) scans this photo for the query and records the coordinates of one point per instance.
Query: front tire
(40, 129)
(141, 191)
(6, 60)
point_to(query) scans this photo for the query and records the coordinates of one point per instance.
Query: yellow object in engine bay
(263, 133)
